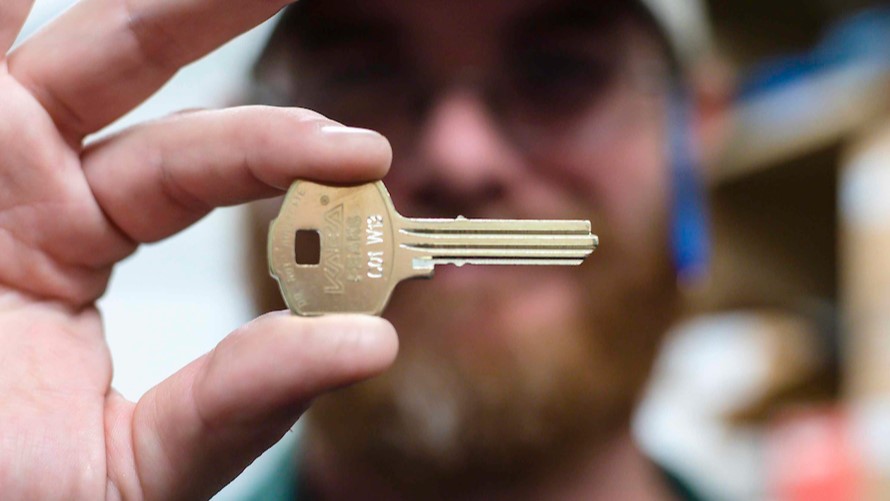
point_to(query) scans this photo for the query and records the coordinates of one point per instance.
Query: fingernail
(337, 130)
(361, 147)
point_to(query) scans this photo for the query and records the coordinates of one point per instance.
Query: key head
(331, 248)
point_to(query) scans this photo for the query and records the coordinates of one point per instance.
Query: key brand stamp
(374, 231)
(332, 250)
(354, 249)
(341, 256)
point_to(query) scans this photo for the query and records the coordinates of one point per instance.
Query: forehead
(453, 20)
(483, 11)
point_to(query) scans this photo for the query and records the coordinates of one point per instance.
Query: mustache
(433, 204)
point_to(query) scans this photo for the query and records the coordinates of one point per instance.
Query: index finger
(12, 17)
(159, 177)
(103, 57)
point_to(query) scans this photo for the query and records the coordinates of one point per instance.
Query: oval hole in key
(307, 248)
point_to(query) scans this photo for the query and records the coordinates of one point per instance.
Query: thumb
(196, 431)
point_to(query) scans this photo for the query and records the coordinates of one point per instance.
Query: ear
(713, 85)
(700, 125)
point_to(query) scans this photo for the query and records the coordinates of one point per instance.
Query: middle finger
(157, 178)
(103, 57)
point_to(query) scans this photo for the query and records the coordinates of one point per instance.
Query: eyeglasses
(538, 93)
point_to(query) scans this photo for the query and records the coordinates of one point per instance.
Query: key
(339, 249)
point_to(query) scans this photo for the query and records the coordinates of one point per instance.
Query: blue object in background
(690, 235)
(863, 38)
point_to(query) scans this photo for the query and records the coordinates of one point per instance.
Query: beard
(504, 373)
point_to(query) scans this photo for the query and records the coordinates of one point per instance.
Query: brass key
(338, 249)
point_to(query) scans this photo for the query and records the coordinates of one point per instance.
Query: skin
(69, 212)
(511, 382)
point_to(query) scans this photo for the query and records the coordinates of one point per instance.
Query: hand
(68, 213)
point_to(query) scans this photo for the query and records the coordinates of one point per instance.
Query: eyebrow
(576, 16)
(319, 32)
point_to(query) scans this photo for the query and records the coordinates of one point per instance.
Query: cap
(686, 26)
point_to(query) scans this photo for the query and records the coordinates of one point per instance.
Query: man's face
(503, 109)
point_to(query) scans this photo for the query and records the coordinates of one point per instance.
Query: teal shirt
(282, 484)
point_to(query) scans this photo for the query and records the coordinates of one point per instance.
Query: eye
(559, 78)
(363, 71)
(362, 86)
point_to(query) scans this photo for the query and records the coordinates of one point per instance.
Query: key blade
(426, 263)
(466, 226)
(496, 242)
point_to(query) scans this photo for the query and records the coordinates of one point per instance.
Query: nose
(466, 161)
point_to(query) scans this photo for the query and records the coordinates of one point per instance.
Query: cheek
(625, 175)
(639, 188)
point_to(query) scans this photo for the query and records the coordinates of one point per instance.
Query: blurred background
(780, 373)
(776, 385)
